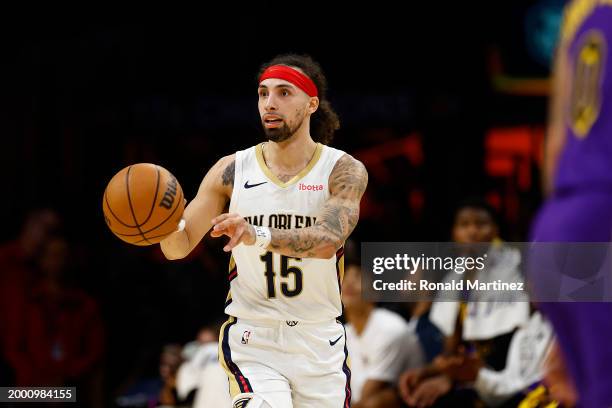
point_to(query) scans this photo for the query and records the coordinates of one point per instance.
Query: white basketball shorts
(286, 364)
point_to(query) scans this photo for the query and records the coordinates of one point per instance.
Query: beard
(282, 133)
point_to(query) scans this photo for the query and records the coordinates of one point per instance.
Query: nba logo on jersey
(245, 337)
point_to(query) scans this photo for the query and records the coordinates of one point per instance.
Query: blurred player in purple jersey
(578, 176)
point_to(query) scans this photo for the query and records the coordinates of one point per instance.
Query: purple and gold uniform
(580, 209)
(585, 162)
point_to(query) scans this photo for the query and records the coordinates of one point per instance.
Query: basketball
(143, 203)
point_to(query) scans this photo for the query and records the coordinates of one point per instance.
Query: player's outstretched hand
(235, 227)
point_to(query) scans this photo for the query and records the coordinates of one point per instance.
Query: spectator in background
(170, 361)
(494, 333)
(202, 372)
(61, 339)
(17, 271)
(429, 335)
(159, 389)
(380, 343)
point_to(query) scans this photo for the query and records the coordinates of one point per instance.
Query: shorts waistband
(288, 323)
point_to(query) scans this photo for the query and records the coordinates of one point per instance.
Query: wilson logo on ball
(143, 203)
(169, 194)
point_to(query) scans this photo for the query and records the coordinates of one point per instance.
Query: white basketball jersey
(267, 285)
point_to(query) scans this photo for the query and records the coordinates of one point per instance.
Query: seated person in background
(157, 388)
(170, 360)
(380, 343)
(430, 337)
(18, 259)
(202, 372)
(524, 368)
(60, 340)
(488, 329)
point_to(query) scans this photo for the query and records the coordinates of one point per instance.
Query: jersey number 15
(285, 271)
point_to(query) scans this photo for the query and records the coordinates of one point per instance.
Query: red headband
(291, 75)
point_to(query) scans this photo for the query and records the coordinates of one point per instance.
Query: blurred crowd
(73, 314)
(119, 349)
(465, 353)
(52, 331)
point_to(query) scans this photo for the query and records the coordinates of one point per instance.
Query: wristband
(263, 236)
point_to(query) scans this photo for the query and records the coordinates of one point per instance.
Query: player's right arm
(212, 197)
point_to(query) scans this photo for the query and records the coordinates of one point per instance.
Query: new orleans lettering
(309, 221)
(282, 221)
(255, 220)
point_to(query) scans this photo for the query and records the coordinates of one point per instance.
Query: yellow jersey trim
(232, 264)
(266, 170)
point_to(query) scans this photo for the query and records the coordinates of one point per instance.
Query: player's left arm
(334, 223)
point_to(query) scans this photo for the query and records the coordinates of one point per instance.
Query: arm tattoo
(337, 218)
(347, 183)
(297, 242)
(228, 174)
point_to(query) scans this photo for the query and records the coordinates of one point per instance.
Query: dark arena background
(440, 102)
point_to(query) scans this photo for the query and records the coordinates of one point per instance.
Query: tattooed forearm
(332, 219)
(335, 221)
(339, 219)
(310, 242)
(228, 174)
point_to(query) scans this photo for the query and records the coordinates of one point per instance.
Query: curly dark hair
(325, 120)
(478, 203)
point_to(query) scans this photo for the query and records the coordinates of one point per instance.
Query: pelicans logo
(242, 402)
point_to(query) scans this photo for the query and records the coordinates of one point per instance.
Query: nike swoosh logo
(333, 343)
(247, 185)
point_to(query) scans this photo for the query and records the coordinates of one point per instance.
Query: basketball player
(293, 201)
(579, 175)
